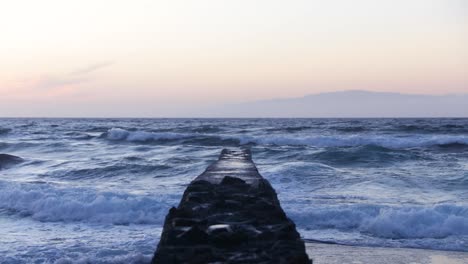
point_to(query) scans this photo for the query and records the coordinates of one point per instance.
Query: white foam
(122, 134)
(408, 222)
(387, 141)
(47, 203)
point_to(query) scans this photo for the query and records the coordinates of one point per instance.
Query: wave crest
(439, 221)
(142, 136)
(51, 204)
(385, 141)
(118, 134)
(354, 140)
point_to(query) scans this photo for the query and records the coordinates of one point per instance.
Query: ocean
(98, 190)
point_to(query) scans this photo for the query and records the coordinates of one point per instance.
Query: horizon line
(334, 117)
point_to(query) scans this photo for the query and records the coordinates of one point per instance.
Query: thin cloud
(92, 68)
(49, 83)
(73, 78)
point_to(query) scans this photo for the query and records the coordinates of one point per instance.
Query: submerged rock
(230, 214)
(7, 160)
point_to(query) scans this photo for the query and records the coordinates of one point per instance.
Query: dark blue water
(97, 190)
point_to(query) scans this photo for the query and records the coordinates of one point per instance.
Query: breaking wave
(384, 222)
(118, 134)
(47, 203)
(122, 134)
(385, 141)
(132, 258)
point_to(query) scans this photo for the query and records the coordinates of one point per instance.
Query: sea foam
(131, 258)
(386, 141)
(122, 134)
(48, 203)
(405, 222)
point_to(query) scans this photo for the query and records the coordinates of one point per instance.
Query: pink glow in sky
(153, 58)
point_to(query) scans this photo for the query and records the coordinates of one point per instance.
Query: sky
(170, 58)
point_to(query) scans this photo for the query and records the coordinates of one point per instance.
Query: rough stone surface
(230, 214)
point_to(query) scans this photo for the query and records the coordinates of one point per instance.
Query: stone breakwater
(230, 214)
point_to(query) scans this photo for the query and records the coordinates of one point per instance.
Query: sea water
(98, 190)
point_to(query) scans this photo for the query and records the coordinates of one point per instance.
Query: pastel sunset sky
(154, 58)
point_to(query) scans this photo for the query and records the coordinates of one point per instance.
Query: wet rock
(194, 235)
(227, 180)
(180, 222)
(230, 214)
(220, 228)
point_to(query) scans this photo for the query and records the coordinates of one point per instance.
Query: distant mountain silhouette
(352, 104)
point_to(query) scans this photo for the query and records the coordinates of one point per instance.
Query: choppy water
(97, 190)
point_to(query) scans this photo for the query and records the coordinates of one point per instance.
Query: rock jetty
(230, 214)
